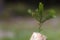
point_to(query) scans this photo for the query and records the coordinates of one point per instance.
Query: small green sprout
(38, 14)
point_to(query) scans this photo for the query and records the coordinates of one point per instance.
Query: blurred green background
(15, 19)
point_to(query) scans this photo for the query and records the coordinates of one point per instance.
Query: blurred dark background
(20, 7)
(26, 4)
(36, 2)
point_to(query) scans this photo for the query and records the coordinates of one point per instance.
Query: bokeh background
(17, 24)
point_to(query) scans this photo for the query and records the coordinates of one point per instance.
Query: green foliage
(40, 9)
(6, 38)
(38, 14)
(50, 15)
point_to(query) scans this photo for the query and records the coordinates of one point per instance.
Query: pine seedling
(38, 14)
